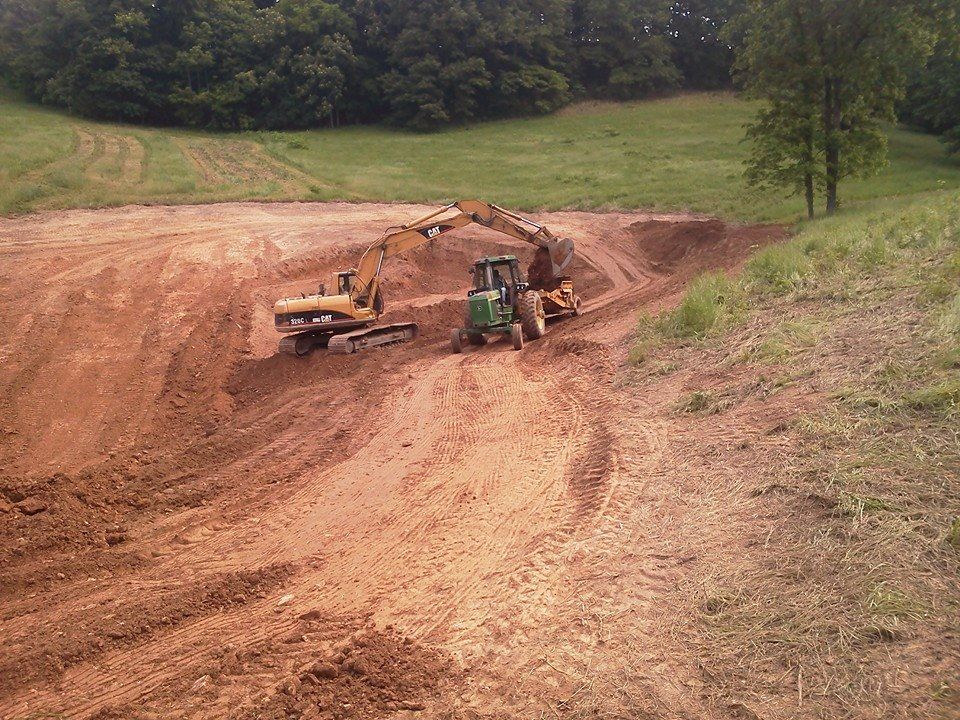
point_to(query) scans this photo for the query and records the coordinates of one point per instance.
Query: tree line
(421, 64)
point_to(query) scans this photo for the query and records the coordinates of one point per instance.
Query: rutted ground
(220, 530)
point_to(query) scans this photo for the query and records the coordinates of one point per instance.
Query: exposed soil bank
(188, 518)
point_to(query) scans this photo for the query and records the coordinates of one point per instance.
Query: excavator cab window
(344, 283)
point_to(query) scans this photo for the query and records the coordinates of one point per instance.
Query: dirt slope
(193, 526)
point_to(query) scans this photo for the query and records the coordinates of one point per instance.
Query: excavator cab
(345, 282)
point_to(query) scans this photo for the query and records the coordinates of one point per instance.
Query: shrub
(707, 300)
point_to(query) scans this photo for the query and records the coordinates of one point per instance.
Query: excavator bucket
(561, 254)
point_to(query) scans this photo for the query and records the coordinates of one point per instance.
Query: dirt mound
(372, 674)
(667, 243)
(670, 246)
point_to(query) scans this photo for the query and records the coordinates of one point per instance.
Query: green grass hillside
(682, 153)
(851, 330)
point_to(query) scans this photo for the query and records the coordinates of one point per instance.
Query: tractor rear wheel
(516, 335)
(532, 318)
(577, 307)
(456, 344)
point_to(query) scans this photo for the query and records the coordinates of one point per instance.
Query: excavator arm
(406, 237)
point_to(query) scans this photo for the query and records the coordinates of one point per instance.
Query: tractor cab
(500, 274)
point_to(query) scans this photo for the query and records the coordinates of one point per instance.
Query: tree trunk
(808, 186)
(831, 130)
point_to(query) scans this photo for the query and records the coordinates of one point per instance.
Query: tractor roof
(496, 259)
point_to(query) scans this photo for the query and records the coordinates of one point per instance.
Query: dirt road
(194, 526)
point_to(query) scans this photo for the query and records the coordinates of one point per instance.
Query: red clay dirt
(190, 521)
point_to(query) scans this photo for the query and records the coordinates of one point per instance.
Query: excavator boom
(437, 222)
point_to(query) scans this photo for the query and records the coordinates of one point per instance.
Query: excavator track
(351, 342)
(303, 343)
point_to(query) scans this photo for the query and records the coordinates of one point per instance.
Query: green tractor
(501, 301)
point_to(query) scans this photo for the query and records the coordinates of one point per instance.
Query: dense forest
(420, 64)
(251, 64)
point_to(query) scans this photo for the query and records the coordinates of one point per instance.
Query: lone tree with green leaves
(831, 72)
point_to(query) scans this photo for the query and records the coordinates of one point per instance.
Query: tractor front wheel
(516, 335)
(532, 318)
(577, 307)
(456, 343)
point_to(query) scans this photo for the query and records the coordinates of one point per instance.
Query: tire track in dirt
(403, 546)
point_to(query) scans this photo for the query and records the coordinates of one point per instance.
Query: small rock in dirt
(14, 496)
(311, 615)
(201, 683)
(406, 443)
(739, 710)
(325, 670)
(780, 427)
(31, 506)
(115, 634)
(284, 600)
(356, 666)
(5, 507)
(309, 678)
(290, 686)
(115, 538)
(411, 705)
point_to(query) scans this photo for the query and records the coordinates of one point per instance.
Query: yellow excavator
(342, 321)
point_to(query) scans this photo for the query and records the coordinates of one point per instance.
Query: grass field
(682, 153)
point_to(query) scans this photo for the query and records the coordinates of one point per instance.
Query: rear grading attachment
(501, 301)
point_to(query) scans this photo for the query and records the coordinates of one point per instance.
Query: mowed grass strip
(680, 153)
